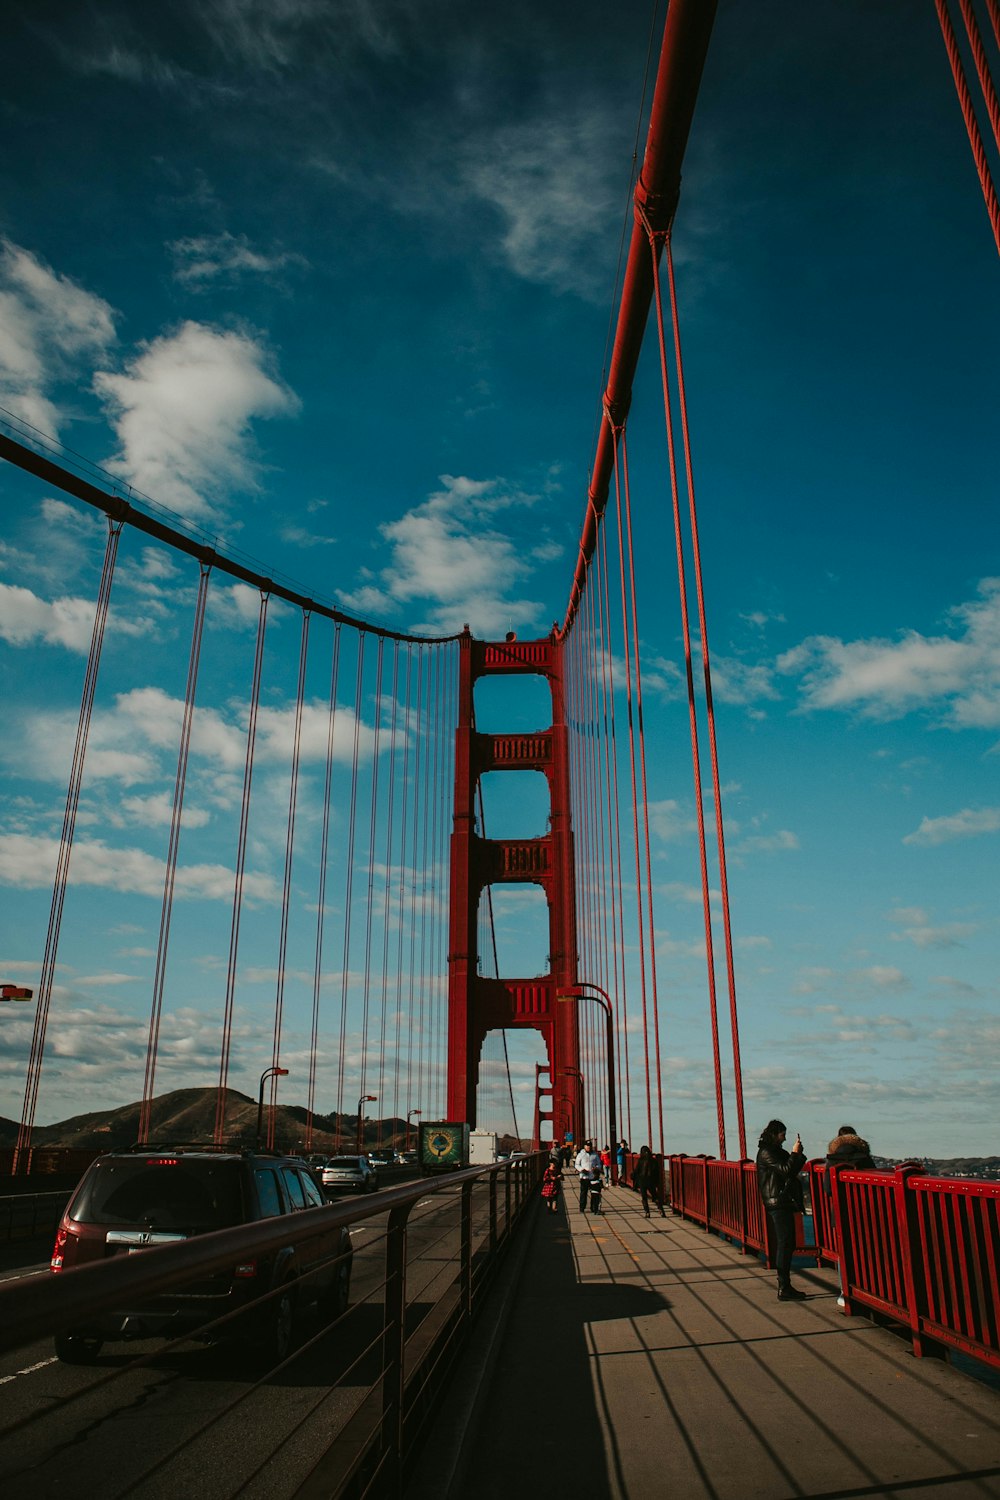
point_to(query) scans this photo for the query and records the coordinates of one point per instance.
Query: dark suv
(155, 1195)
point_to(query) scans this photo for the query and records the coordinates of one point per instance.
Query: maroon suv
(131, 1200)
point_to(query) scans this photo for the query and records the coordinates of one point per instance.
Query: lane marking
(28, 1370)
(28, 1271)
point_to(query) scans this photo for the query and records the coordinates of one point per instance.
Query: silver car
(349, 1174)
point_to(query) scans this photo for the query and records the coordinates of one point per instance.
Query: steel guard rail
(923, 1251)
(368, 1455)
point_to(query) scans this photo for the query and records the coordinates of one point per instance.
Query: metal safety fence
(342, 1416)
(922, 1251)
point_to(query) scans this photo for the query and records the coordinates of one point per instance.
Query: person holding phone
(781, 1190)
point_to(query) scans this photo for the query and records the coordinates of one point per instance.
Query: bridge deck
(638, 1357)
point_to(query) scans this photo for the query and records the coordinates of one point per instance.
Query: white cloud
(880, 678)
(960, 825)
(202, 260)
(556, 188)
(916, 928)
(28, 863)
(449, 553)
(157, 811)
(28, 620)
(182, 411)
(50, 327)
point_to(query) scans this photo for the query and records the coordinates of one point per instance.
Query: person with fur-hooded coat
(850, 1150)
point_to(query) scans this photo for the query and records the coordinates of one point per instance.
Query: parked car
(345, 1174)
(132, 1200)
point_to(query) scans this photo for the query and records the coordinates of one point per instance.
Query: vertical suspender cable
(640, 925)
(385, 1113)
(401, 907)
(641, 732)
(286, 888)
(968, 114)
(709, 702)
(324, 855)
(370, 910)
(982, 65)
(655, 245)
(422, 1058)
(173, 844)
(418, 735)
(36, 1055)
(241, 852)
(349, 888)
(614, 797)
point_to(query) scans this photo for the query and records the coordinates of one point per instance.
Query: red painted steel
(682, 59)
(922, 1250)
(477, 1004)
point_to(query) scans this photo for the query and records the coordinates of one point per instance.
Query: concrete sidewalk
(636, 1357)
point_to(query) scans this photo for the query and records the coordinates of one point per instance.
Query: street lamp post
(365, 1099)
(410, 1112)
(267, 1073)
(603, 999)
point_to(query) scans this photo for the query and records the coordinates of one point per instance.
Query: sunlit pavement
(634, 1357)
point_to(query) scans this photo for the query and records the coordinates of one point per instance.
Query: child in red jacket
(550, 1188)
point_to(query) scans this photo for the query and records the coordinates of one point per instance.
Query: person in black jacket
(778, 1178)
(646, 1178)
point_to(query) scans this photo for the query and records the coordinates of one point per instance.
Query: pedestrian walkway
(643, 1357)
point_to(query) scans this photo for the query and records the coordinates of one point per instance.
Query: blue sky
(333, 283)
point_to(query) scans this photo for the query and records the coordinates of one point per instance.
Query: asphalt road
(155, 1422)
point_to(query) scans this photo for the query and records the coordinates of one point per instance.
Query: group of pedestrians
(593, 1168)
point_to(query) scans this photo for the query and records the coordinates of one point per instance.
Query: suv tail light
(58, 1249)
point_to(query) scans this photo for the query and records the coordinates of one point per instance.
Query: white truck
(482, 1148)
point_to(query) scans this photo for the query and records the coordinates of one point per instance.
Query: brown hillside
(188, 1115)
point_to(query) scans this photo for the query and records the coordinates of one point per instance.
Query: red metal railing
(924, 1251)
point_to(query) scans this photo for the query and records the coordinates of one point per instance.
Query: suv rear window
(345, 1161)
(161, 1192)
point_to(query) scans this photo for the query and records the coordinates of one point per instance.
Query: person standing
(850, 1150)
(587, 1163)
(646, 1178)
(621, 1153)
(606, 1164)
(550, 1187)
(781, 1191)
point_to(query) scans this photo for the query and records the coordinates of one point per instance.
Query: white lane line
(28, 1271)
(28, 1370)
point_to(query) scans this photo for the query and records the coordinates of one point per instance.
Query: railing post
(744, 1215)
(465, 1253)
(394, 1340)
(493, 1213)
(912, 1259)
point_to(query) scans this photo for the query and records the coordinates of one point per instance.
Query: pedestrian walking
(550, 1187)
(850, 1150)
(646, 1178)
(587, 1163)
(596, 1187)
(781, 1190)
(621, 1153)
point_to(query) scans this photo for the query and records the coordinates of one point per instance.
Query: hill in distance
(188, 1115)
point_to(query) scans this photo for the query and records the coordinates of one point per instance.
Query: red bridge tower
(477, 1004)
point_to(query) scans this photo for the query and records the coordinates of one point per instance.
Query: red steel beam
(682, 59)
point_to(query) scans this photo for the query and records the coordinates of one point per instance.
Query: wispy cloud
(28, 862)
(961, 825)
(449, 557)
(183, 410)
(957, 672)
(203, 261)
(51, 328)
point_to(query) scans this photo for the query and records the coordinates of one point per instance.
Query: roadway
(157, 1422)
